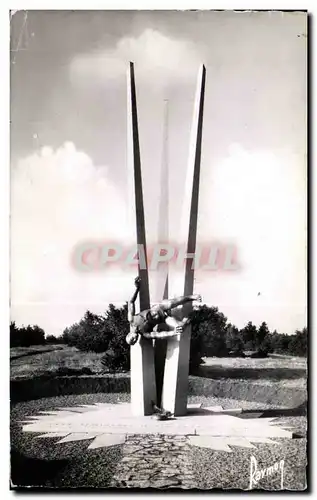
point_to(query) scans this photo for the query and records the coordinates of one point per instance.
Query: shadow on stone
(298, 411)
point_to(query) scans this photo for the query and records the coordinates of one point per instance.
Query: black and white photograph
(158, 250)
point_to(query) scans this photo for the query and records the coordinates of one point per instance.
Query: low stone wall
(25, 389)
(248, 390)
(49, 386)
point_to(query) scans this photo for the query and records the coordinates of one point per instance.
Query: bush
(298, 343)
(208, 335)
(294, 345)
(90, 334)
(280, 342)
(103, 334)
(117, 356)
(51, 339)
(112, 362)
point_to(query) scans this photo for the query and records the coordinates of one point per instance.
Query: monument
(147, 385)
(160, 348)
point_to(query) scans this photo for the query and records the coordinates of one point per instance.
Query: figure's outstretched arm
(179, 301)
(131, 303)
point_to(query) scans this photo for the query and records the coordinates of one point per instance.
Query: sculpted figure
(156, 322)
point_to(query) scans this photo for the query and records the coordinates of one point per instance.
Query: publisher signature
(257, 474)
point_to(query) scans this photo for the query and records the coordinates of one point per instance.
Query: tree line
(212, 335)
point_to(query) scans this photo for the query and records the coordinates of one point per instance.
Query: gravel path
(156, 461)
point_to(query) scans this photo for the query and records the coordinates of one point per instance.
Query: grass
(57, 359)
(273, 361)
(290, 370)
(65, 370)
(19, 352)
(43, 360)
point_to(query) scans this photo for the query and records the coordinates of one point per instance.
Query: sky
(69, 155)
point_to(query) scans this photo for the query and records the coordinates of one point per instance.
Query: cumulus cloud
(158, 58)
(256, 200)
(58, 199)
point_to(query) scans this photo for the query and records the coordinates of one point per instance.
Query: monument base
(108, 424)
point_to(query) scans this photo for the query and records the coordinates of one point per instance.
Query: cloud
(58, 199)
(158, 58)
(257, 201)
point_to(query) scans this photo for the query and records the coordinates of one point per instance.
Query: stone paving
(73, 433)
(155, 461)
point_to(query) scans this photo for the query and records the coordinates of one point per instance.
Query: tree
(249, 335)
(261, 334)
(280, 342)
(267, 346)
(15, 339)
(298, 343)
(117, 327)
(90, 334)
(105, 334)
(26, 336)
(234, 340)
